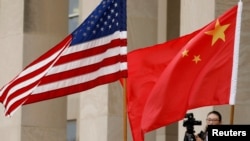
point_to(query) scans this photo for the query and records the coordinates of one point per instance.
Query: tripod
(189, 124)
(189, 135)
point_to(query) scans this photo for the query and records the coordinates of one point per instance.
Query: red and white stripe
(15, 93)
(68, 69)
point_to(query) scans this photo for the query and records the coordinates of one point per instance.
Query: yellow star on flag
(218, 32)
(196, 59)
(185, 53)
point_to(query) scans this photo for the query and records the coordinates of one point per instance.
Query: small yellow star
(218, 32)
(185, 53)
(196, 59)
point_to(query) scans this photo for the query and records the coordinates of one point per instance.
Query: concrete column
(93, 105)
(45, 25)
(11, 43)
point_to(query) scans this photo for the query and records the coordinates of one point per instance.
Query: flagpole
(232, 114)
(124, 109)
(236, 59)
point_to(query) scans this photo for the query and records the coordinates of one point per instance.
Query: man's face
(213, 119)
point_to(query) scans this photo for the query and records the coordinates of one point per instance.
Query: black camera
(189, 124)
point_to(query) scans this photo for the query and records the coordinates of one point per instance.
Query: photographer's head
(214, 118)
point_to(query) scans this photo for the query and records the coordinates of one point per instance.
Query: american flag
(94, 54)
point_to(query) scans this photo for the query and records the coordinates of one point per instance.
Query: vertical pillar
(93, 116)
(45, 25)
(11, 42)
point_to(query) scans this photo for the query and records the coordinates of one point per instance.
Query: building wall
(28, 29)
(11, 41)
(45, 25)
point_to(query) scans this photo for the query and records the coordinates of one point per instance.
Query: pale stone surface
(73, 106)
(11, 40)
(195, 14)
(94, 129)
(44, 27)
(43, 121)
(38, 133)
(93, 121)
(10, 129)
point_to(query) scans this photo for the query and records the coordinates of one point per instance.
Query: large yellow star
(218, 32)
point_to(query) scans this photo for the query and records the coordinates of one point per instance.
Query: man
(213, 118)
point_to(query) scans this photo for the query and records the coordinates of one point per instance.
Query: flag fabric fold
(195, 70)
(94, 54)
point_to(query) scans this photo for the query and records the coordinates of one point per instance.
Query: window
(73, 15)
(71, 130)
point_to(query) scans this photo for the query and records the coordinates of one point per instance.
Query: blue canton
(107, 18)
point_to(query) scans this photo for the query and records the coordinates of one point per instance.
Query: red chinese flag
(145, 66)
(166, 80)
